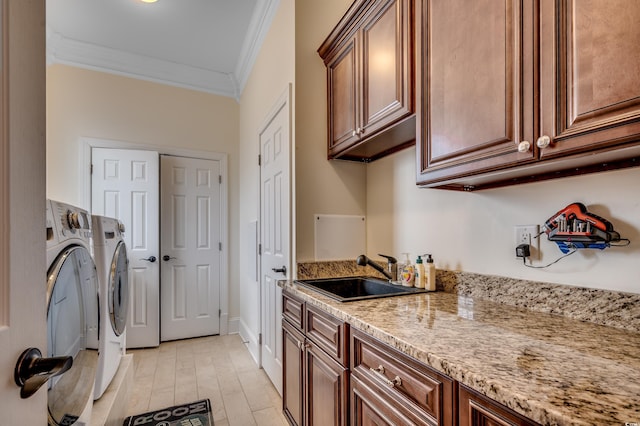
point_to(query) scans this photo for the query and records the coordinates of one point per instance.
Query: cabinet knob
(354, 133)
(524, 146)
(543, 141)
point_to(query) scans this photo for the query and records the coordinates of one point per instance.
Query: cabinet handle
(524, 146)
(395, 382)
(543, 141)
(379, 369)
(354, 133)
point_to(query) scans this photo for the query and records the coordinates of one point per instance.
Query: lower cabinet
(316, 376)
(478, 410)
(293, 383)
(391, 388)
(335, 375)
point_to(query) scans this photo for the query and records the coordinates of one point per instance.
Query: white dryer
(112, 264)
(72, 312)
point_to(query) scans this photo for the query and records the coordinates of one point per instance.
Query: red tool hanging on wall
(574, 227)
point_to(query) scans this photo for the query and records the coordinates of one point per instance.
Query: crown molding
(258, 28)
(77, 53)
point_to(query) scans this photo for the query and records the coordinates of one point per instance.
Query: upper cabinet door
(342, 97)
(370, 84)
(387, 46)
(589, 74)
(475, 87)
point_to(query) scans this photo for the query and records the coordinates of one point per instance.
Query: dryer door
(119, 289)
(72, 330)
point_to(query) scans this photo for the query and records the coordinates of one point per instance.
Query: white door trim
(87, 143)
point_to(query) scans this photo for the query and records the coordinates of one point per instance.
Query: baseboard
(233, 326)
(251, 340)
(224, 324)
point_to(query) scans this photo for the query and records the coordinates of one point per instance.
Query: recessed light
(148, 1)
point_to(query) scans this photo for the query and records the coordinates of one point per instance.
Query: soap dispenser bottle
(430, 274)
(408, 272)
(420, 278)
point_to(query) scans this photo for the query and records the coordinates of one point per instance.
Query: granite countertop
(552, 369)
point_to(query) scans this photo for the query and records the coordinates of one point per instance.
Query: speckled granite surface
(552, 369)
(610, 308)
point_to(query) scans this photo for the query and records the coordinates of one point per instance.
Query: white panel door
(190, 247)
(275, 196)
(22, 203)
(125, 185)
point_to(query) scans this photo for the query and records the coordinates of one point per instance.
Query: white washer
(72, 312)
(112, 264)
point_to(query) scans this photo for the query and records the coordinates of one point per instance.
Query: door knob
(167, 258)
(150, 259)
(33, 371)
(282, 270)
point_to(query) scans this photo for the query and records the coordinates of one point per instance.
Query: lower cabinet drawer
(292, 310)
(477, 409)
(370, 406)
(403, 379)
(329, 333)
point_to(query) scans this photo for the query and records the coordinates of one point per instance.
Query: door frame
(88, 143)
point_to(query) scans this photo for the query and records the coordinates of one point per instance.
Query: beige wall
(335, 187)
(270, 77)
(464, 231)
(83, 103)
(474, 231)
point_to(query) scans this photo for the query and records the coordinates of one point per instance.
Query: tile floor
(217, 367)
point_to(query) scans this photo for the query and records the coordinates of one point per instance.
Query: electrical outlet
(528, 234)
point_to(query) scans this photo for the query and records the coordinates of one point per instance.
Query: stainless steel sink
(357, 288)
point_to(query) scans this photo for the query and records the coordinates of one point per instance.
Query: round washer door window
(119, 289)
(72, 330)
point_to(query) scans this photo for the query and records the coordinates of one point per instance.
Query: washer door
(72, 328)
(119, 289)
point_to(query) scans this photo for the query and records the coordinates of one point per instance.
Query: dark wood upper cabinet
(477, 87)
(370, 84)
(589, 75)
(521, 90)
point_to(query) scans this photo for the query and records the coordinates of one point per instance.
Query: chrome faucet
(392, 267)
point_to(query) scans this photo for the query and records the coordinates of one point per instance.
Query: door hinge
(259, 160)
(220, 179)
(220, 246)
(260, 338)
(90, 169)
(219, 313)
(259, 249)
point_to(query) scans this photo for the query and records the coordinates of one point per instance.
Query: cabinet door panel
(342, 97)
(476, 86)
(590, 69)
(327, 389)
(386, 80)
(292, 366)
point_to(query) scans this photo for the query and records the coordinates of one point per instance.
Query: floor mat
(193, 414)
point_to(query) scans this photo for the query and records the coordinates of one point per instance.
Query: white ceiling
(207, 45)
